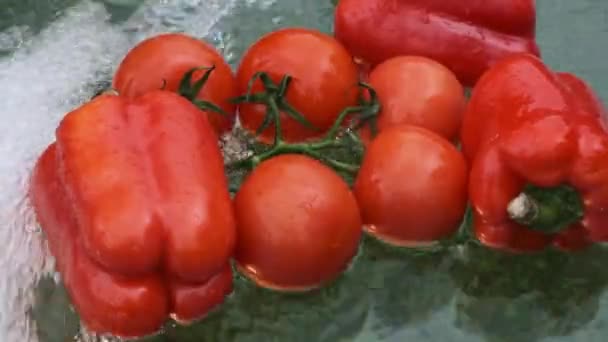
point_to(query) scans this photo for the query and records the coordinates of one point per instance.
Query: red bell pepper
(538, 145)
(466, 36)
(134, 202)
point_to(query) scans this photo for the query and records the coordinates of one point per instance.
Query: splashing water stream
(46, 77)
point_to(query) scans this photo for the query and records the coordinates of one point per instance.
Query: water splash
(40, 82)
(13, 38)
(43, 78)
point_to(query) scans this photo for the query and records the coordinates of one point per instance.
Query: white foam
(12, 38)
(46, 77)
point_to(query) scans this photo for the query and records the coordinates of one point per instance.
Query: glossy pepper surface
(134, 202)
(538, 146)
(466, 36)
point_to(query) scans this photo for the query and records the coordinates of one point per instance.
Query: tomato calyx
(549, 210)
(339, 136)
(190, 90)
(187, 89)
(273, 97)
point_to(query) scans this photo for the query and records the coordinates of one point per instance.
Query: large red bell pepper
(134, 202)
(466, 36)
(538, 145)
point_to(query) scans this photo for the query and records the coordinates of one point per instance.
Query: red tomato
(298, 224)
(324, 80)
(418, 91)
(164, 59)
(412, 186)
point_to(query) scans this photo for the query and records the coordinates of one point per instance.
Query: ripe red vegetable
(133, 199)
(298, 224)
(466, 36)
(412, 187)
(417, 91)
(538, 145)
(324, 81)
(162, 61)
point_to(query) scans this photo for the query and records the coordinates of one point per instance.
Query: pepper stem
(548, 210)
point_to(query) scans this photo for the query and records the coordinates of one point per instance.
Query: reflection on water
(465, 294)
(336, 313)
(406, 288)
(528, 298)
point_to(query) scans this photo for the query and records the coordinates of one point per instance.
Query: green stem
(333, 131)
(278, 130)
(312, 148)
(305, 149)
(273, 97)
(549, 210)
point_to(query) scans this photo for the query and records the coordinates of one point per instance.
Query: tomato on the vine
(411, 187)
(417, 91)
(324, 81)
(162, 61)
(298, 224)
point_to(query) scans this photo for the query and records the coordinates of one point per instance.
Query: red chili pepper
(538, 145)
(466, 36)
(134, 202)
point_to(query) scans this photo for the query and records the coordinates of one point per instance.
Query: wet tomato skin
(324, 81)
(161, 62)
(412, 187)
(298, 224)
(418, 91)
